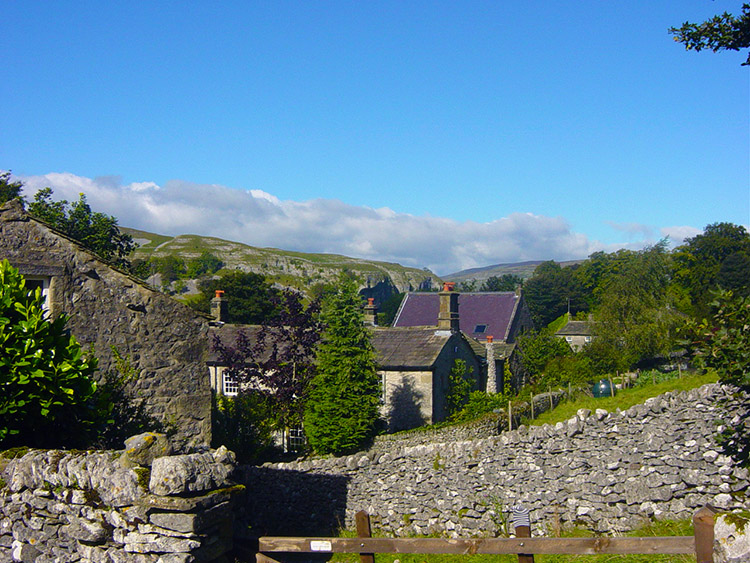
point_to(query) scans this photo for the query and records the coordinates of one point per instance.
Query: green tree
(389, 308)
(552, 291)
(205, 264)
(9, 190)
(250, 298)
(721, 33)
(343, 405)
(723, 343)
(506, 282)
(635, 320)
(96, 231)
(699, 261)
(245, 424)
(537, 349)
(460, 385)
(48, 397)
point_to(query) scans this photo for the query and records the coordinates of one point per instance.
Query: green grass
(654, 529)
(624, 399)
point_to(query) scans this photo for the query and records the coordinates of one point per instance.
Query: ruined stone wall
(166, 341)
(92, 507)
(607, 471)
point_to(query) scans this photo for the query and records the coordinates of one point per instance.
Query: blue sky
(440, 134)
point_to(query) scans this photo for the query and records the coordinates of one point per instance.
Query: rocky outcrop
(65, 506)
(606, 471)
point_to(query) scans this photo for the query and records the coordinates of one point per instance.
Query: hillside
(523, 269)
(295, 269)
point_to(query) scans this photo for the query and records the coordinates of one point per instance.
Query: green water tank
(602, 388)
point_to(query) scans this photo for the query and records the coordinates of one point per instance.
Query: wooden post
(522, 526)
(510, 416)
(364, 531)
(551, 406)
(532, 407)
(703, 523)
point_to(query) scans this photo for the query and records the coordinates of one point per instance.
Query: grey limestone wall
(92, 507)
(166, 341)
(608, 471)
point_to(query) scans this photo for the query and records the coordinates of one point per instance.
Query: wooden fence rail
(700, 544)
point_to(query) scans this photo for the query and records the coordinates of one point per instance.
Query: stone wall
(606, 471)
(100, 507)
(166, 341)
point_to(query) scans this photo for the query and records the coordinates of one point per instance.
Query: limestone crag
(606, 471)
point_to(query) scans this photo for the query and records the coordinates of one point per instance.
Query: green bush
(48, 397)
(244, 424)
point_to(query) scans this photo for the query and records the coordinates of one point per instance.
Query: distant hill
(522, 269)
(293, 269)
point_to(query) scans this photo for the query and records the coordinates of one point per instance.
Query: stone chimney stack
(371, 312)
(491, 367)
(448, 314)
(219, 307)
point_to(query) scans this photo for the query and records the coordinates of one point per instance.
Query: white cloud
(678, 234)
(258, 218)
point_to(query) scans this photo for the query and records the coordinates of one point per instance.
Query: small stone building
(166, 342)
(576, 333)
(414, 365)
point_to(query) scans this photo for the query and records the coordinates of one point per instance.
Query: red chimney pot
(219, 293)
(448, 286)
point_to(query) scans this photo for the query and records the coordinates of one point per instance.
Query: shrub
(48, 397)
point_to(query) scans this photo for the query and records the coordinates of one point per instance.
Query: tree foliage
(343, 406)
(280, 362)
(96, 231)
(537, 349)
(723, 343)
(250, 298)
(460, 386)
(244, 424)
(389, 308)
(48, 397)
(9, 190)
(506, 282)
(552, 291)
(635, 319)
(717, 256)
(724, 32)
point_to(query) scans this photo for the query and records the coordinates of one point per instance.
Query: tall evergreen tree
(343, 405)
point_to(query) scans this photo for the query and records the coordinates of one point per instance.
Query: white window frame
(46, 282)
(229, 385)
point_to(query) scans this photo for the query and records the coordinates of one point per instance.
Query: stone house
(165, 341)
(414, 365)
(576, 333)
(490, 322)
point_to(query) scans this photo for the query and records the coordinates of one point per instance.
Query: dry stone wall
(607, 471)
(96, 507)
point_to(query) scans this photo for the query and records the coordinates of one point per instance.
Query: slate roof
(495, 310)
(575, 328)
(409, 347)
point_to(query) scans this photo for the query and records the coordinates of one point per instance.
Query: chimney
(491, 367)
(219, 308)
(371, 311)
(448, 314)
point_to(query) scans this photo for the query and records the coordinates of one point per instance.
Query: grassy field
(656, 529)
(624, 399)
